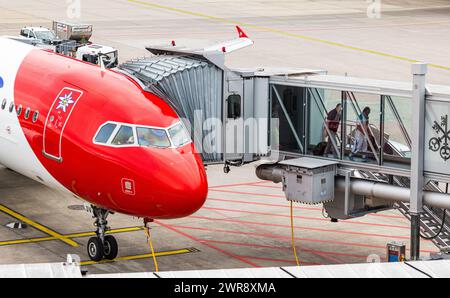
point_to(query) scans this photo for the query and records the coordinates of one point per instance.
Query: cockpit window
(179, 135)
(152, 137)
(124, 136)
(105, 133)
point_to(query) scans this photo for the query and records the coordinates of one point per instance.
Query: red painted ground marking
(251, 193)
(296, 207)
(257, 229)
(238, 184)
(273, 236)
(248, 193)
(306, 218)
(298, 227)
(173, 228)
(268, 186)
(286, 248)
(281, 261)
(258, 184)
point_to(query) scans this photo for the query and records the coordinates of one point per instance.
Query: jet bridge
(403, 151)
(238, 116)
(226, 110)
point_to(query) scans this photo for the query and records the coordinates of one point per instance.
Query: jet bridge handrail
(359, 111)
(355, 106)
(399, 120)
(283, 107)
(352, 126)
(324, 117)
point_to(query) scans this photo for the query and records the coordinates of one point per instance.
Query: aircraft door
(56, 121)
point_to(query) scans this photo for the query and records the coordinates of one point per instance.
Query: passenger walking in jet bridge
(332, 122)
(362, 129)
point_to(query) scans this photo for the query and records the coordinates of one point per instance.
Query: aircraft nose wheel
(102, 246)
(98, 251)
(110, 248)
(95, 249)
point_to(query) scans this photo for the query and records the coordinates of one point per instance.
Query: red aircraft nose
(175, 184)
(186, 188)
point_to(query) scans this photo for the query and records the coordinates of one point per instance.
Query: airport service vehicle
(40, 35)
(72, 31)
(70, 39)
(104, 56)
(96, 134)
(77, 45)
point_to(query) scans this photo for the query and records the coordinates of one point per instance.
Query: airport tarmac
(245, 222)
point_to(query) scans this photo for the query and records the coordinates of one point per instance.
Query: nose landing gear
(102, 246)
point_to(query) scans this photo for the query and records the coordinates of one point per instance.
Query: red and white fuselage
(52, 110)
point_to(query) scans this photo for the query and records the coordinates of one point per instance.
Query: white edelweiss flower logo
(65, 101)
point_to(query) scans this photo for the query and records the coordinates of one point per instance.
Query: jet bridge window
(152, 137)
(104, 133)
(234, 106)
(124, 136)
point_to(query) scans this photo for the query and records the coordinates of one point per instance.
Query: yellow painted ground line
(38, 226)
(24, 241)
(143, 256)
(69, 236)
(281, 32)
(115, 231)
(87, 234)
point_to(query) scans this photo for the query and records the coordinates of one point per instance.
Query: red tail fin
(241, 32)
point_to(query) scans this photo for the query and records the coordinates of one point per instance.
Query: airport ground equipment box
(308, 180)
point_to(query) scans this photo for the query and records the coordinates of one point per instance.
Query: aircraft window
(27, 113)
(35, 116)
(11, 107)
(19, 110)
(179, 135)
(152, 137)
(105, 132)
(125, 136)
(3, 103)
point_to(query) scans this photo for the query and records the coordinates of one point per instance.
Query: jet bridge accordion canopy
(192, 86)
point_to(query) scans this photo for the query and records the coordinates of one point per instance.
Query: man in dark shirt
(333, 121)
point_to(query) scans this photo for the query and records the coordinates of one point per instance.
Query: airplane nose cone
(182, 187)
(188, 190)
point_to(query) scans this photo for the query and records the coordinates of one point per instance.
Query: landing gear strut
(102, 246)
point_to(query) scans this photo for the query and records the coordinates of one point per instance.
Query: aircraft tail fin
(241, 42)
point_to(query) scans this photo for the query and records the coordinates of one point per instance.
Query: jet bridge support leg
(419, 71)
